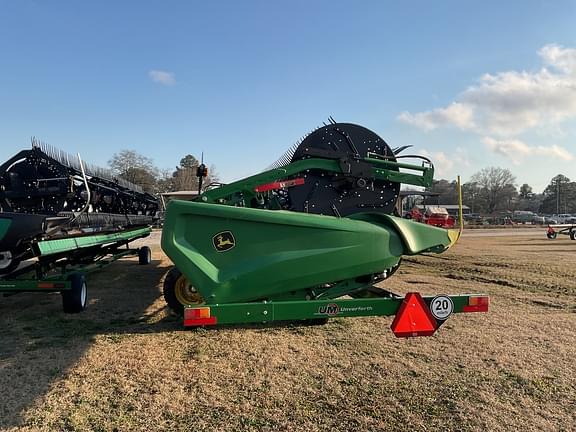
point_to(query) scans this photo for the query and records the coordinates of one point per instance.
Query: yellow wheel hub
(186, 293)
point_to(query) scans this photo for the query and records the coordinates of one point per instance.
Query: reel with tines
(342, 194)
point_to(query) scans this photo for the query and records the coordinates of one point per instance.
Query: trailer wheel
(551, 235)
(144, 255)
(7, 262)
(178, 292)
(573, 235)
(74, 299)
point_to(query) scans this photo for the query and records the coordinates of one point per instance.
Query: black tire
(551, 236)
(144, 255)
(175, 286)
(11, 266)
(75, 299)
(573, 235)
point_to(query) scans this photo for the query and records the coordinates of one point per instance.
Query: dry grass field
(125, 364)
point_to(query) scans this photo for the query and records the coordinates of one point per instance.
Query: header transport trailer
(309, 239)
(563, 229)
(61, 219)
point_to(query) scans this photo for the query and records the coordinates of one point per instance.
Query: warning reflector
(198, 317)
(413, 318)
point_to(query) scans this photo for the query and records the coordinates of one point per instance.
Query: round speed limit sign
(441, 307)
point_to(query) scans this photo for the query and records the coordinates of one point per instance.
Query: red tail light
(477, 304)
(198, 317)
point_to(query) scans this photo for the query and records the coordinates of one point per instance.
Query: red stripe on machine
(279, 185)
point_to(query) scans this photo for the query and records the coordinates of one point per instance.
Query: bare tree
(136, 168)
(213, 175)
(165, 182)
(185, 179)
(497, 187)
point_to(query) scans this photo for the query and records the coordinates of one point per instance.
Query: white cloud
(458, 114)
(162, 77)
(447, 165)
(517, 150)
(461, 157)
(512, 102)
(507, 104)
(563, 59)
(442, 163)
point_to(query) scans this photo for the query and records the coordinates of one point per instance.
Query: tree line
(489, 191)
(140, 170)
(495, 189)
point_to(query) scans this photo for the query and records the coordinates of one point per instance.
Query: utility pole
(558, 196)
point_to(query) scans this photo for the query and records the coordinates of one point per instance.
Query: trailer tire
(144, 255)
(573, 235)
(8, 263)
(74, 300)
(178, 291)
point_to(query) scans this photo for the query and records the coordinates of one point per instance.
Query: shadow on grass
(39, 344)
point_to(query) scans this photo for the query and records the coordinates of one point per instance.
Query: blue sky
(472, 84)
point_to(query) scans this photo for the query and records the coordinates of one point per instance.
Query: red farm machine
(311, 238)
(432, 215)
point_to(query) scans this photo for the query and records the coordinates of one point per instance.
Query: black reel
(37, 182)
(34, 184)
(352, 192)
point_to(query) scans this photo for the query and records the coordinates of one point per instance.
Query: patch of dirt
(126, 364)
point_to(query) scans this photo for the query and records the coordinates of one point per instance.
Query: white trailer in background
(566, 229)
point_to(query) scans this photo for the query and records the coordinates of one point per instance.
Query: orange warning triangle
(413, 318)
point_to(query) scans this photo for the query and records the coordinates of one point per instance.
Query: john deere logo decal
(224, 241)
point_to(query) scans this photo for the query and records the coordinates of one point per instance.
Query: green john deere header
(314, 237)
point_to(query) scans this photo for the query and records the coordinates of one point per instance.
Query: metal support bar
(58, 282)
(51, 276)
(383, 170)
(236, 313)
(49, 247)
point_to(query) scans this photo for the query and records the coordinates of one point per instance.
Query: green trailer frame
(415, 315)
(62, 264)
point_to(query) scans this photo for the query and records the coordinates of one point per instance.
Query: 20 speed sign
(441, 307)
